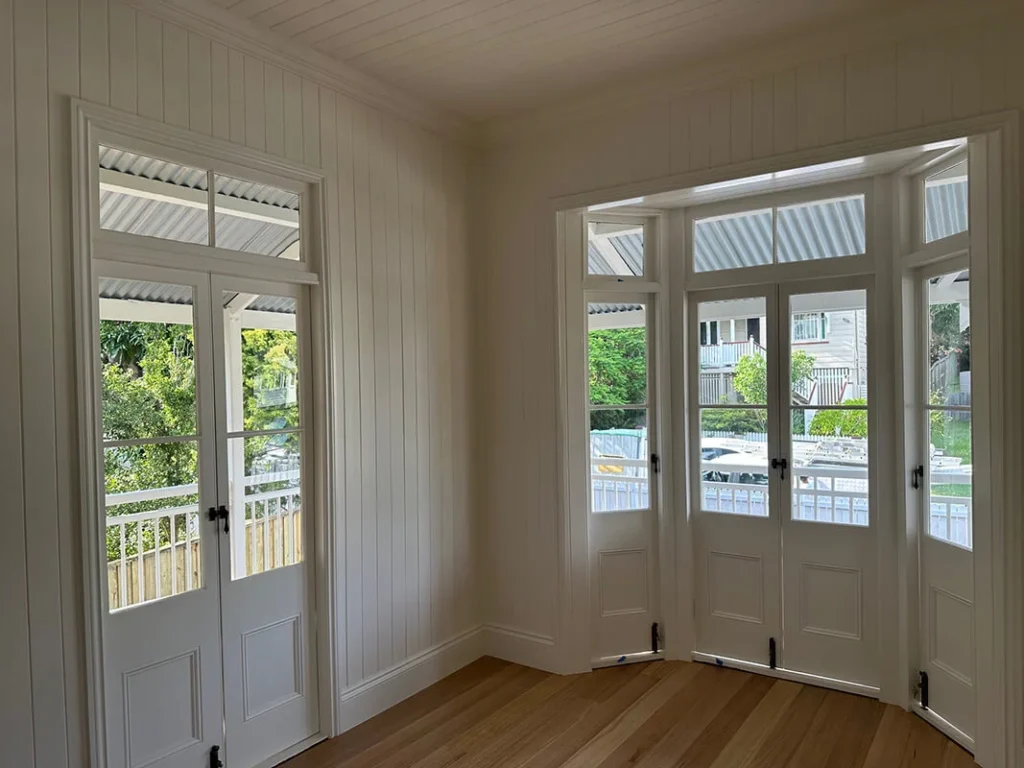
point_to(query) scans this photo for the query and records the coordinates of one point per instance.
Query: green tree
(751, 380)
(149, 390)
(618, 376)
(841, 423)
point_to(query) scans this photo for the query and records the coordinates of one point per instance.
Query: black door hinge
(771, 652)
(218, 513)
(655, 463)
(924, 689)
(916, 477)
(215, 761)
(654, 637)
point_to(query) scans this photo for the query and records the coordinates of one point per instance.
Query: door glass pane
(734, 461)
(950, 509)
(148, 373)
(732, 241)
(152, 521)
(949, 339)
(143, 195)
(615, 249)
(733, 352)
(619, 460)
(256, 218)
(147, 359)
(829, 348)
(617, 353)
(268, 534)
(824, 229)
(945, 203)
(264, 452)
(949, 408)
(262, 361)
(829, 465)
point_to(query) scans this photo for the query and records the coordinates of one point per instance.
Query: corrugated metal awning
(164, 293)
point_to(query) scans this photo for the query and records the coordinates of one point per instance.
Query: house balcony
(727, 355)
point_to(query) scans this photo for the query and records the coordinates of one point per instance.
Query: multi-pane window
(733, 403)
(618, 407)
(948, 410)
(809, 326)
(151, 446)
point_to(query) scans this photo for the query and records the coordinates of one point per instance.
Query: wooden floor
(656, 715)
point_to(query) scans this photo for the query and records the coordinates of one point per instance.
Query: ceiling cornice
(722, 69)
(219, 24)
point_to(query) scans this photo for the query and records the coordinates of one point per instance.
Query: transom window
(149, 196)
(806, 231)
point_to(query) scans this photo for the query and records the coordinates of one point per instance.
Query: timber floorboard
(669, 714)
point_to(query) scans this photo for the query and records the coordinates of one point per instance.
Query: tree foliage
(834, 423)
(946, 336)
(618, 376)
(149, 390)
(751, 382)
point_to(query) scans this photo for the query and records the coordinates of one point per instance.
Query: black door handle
(218, 513)
(781, 465)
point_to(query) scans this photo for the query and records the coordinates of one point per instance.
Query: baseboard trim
(387, 688)
(530, 649)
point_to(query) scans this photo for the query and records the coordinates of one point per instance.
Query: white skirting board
(386, 689)
(526, 648)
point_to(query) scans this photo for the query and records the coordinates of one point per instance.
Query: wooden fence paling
(279, 547)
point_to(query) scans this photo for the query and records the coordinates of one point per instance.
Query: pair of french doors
(781, 477)
(209, 632)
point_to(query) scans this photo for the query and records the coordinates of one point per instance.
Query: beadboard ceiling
(489, 58)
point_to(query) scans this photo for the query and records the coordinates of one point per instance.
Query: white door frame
(90, 125)
(1002, 685)
(575, 614)
(997, 571)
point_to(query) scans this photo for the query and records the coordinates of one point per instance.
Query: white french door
(734, 430)
(623, 518)
(943, 481)
(785, 568)
(267, 588)
(209, 651)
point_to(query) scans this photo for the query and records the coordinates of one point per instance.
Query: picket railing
(158, 552)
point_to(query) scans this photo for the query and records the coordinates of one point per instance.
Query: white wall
(815, 92)
(397, 222)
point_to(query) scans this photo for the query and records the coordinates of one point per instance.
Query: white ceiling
(487, 58)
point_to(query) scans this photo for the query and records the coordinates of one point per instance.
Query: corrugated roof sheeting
(194, 178)
(630, 247)
(945, 209)
(152, 168)
(260, 193)
(604, 308)
(238, 234)
(154, 218)
(822, 230)
(186, 224)
(731, 242)
(165, 293)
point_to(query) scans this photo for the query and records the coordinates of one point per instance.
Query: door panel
(623, 499)
(270, 685)
(828, 530)
(162, 630)
(736, 523)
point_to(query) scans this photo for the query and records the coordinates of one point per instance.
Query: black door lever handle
(781, 465)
